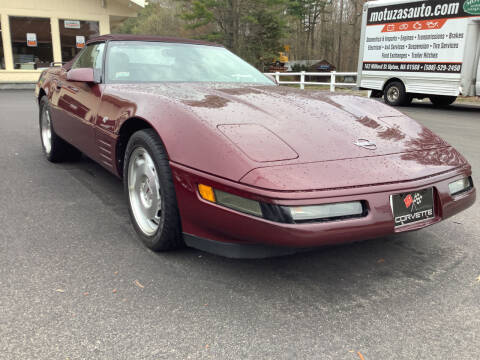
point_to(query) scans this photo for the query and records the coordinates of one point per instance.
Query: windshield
(144, 61)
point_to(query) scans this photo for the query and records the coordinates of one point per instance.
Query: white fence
(332, 83)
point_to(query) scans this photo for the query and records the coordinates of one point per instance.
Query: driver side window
(91, 57)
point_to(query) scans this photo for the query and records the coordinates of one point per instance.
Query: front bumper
(204, 220)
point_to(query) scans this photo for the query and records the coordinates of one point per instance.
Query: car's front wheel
(54, 148)
(150, 192)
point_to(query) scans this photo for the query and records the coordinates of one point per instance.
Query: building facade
(35, 33)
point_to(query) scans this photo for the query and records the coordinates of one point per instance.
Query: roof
(129, 37)
(323, 62)
(140, 3)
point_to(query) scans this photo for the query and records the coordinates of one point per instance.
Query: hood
(272, 123)
(273, 137)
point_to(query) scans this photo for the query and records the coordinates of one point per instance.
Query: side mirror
(81, 75)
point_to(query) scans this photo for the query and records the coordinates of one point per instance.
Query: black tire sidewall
(167, 234)
(403, 98)
(45, 106)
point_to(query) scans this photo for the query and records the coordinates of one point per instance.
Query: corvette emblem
(415, 200)
(366, 144)
(408, 201)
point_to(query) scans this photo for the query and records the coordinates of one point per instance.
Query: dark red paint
(275, 144)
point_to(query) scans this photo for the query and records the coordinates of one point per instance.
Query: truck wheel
(441, 100)
(150, 192)
(395, 94)
(54, 148)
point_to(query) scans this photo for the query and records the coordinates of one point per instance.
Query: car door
(77, 102)
(114, 107)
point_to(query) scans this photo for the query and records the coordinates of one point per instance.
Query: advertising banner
(32, 40)
(80, 41)
(423, 36)
(71, 24)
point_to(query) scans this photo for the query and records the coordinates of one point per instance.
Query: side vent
(105, 151)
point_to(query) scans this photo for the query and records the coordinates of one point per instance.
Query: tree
(256, 30)
(155, 19)
(308, 13)
(253, 29)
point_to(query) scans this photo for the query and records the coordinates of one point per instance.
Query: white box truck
(420, 49)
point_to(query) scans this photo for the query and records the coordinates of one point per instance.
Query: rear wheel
(395, 94)
(54, 148)
(150, 192)
(441, 100)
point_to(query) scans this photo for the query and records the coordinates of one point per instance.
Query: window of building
(2, 57)
(74, 34)
(31, 42)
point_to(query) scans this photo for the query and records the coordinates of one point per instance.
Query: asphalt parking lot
(76, 283)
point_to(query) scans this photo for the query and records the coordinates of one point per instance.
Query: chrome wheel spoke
(46, 131)
(144, 191)
(151, 212)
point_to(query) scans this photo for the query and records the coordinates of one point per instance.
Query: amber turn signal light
(206, 192)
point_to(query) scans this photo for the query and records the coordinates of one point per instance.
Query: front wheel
(395, 94)
(442, 100)
(150, 192)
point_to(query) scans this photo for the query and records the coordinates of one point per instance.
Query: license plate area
(412, 207)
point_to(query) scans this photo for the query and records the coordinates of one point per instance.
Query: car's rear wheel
(150, 192)
(395, 94)
(441, 100)
(54, 148)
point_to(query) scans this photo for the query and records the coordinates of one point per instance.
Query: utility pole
(339, 57)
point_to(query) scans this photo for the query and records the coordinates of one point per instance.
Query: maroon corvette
(214, 155)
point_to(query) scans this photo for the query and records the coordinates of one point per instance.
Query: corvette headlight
(326, 211)
(460, 186)
(280, 213)
(238, 203)
(231, 201)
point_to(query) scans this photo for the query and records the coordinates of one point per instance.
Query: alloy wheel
(144, 191)
(46, 129)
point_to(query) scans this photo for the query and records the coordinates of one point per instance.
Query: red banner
(415, 25)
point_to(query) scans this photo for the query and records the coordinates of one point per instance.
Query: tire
(150, 192)
(54, 148)
(441, 100)
(394, 94)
